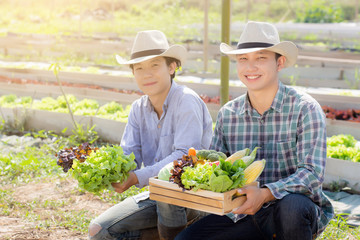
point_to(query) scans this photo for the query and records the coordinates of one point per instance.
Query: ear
(172, 67)
(281, 63)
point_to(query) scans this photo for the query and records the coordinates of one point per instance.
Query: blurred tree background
(126, 17)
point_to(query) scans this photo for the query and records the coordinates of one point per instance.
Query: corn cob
(238, 155)
(249, 159)
(253, 171)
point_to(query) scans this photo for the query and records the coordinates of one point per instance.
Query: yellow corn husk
(238, 155)
(253, 171)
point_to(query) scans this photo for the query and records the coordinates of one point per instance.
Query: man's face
(153, 76)
(259, 70)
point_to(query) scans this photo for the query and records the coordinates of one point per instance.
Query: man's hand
(122, 187)
(256, 197)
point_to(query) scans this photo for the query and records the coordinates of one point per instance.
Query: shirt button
(159, 126)
(156, 160)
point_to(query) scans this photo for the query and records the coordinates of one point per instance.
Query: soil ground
(18, 227)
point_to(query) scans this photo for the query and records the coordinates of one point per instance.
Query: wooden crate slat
(187, 197)
(187, 204)
(207, 201)
(175, 187)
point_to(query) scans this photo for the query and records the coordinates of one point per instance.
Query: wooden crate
(207, 201)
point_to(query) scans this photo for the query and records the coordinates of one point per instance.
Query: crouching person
(289, 128)
(162, 125)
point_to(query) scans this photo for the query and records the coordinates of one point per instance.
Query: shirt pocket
(286, 157)
(166, 145)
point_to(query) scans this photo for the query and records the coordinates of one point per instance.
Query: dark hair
(277, 55)
(168, 61)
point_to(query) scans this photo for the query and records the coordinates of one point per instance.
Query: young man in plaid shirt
(289, 126)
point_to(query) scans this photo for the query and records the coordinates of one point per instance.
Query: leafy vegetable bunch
(216, 178)
(65, 157)
(107, 165)
(177, 169)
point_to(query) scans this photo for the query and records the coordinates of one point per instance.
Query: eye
(241, 58)
(138, 68)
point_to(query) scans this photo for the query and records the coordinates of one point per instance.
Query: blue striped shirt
(292, 137)
(185, 123)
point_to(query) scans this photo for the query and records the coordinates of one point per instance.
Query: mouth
(149, 84)
(252, 77)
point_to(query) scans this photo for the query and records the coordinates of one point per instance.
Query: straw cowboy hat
(258, 36)
(150, 44)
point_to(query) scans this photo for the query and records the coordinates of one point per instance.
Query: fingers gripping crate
(202, 200)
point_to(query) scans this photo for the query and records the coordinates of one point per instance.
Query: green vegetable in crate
(216, 178)
(249, 159)
(243, 155)
(165, 173)
(107, 165)
(211, 155)
(202, 154)
(234, 173)
(238, 155)
(197, 177)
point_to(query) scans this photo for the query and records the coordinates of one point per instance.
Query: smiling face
(259, 70)
(154, 76)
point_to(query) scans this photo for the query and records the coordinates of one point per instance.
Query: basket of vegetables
(204, 182)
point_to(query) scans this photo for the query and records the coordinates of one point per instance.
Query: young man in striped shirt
(289, 126)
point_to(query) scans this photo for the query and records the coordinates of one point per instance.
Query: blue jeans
(126, 219)
(292, 218)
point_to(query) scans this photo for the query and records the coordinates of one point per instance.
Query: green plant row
(36, 163)
(344, 147)
(85, 107)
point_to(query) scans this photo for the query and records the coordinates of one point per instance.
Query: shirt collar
(279, 98)
(246, 108)
(147, 103)
(275, 105)
(174, 85)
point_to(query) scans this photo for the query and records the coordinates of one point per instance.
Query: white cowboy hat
(258, 36)
(150, 44)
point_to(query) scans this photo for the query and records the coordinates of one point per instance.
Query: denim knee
(294, 207)
(296, 214)
(124, 220)
(171, 215)
(97, 232)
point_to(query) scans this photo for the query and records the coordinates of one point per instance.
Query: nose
(147, 73)
(251, 66)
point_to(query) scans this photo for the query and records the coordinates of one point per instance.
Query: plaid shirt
(292, 137)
